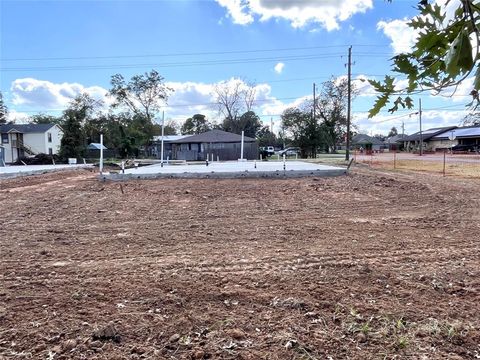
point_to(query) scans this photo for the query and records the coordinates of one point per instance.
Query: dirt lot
(369, 266)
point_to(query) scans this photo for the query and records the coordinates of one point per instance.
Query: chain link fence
(444, 163)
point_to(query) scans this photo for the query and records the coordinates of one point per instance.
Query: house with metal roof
(423, 138)
(20, 140)
(444, 138)
(466, 135)
(216, 144)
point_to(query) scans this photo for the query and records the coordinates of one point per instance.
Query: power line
(183, 54)
(179, 64)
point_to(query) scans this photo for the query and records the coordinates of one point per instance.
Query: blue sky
(52, 50)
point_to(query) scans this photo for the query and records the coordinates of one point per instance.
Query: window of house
(50, 151)
(49, 137)
(4, 138)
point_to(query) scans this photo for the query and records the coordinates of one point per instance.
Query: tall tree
(3, 110)
(229, 98)
(266, 138)
(78, 112)
(249, 123)
(170, 128)
(197, 124)
(331, 109)
(233, 98)
(45, 119)
(393, 132)
(302, 129)
(445, 53)
(143, 94)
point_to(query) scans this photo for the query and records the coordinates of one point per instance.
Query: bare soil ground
(368, 266)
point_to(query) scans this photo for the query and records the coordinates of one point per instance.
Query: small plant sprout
(402, 342)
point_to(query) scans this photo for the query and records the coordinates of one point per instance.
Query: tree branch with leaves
(446, 52)
(143, 94)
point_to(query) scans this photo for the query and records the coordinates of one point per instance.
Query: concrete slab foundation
(232, 169)
(25, 170)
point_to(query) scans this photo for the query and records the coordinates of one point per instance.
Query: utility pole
(420, 119)
(403, 129)
(314, 121)
(349, 65)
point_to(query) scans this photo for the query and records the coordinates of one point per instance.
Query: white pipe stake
(101, 153)
(161, 149)
(241, 150)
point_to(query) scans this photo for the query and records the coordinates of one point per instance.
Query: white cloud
(279, 67)
(402, 36)
(237, 10)
(46, 95)
(17, 117)
(327, 13)
(460, 93)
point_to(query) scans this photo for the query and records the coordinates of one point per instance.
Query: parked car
(290, 151)
(266, 151)
(466, 148)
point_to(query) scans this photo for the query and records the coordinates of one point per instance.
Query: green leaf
(403, 65)
(459, 56)
(380, 102)
(409, 102)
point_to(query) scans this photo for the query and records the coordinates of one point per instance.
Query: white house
(19, 140)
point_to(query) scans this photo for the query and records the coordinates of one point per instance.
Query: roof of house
(169, 138)
(395, 139)
(363, 139)
(428, 134)
(214, 136)
(461, 132)
(26, 128)
(96, 146)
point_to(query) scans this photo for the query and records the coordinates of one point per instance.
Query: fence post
(444, 160)
(394, 159)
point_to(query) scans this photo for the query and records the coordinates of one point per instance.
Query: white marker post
(161, 150)
(101, 154)
(241, 147)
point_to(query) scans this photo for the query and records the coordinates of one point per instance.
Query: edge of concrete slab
(5, 176)
(279, 174)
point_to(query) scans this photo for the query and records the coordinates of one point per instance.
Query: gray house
(154, 149)
(366, 142)
(217, 143)
(394, 142)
